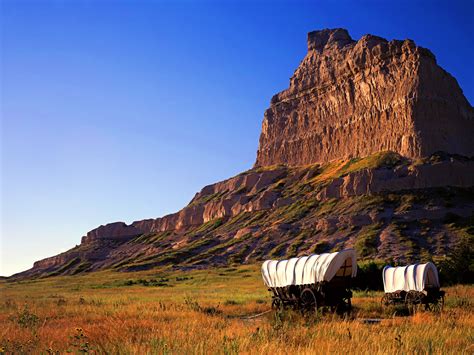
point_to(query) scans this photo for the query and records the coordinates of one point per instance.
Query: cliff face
(354, 98)
(345, 160)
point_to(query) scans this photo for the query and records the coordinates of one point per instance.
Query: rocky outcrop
(405, 177)
(260, 190)
(338, 166)
(117, 230)
(353, 98)
(223, 199)
(53, 261)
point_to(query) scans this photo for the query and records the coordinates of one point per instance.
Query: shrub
(321, 247)
(26, 319)
(369, 276)
(79, 343)
(231, 303)
(366, 242)
(458, 267)
(195, 306)
(278, 251)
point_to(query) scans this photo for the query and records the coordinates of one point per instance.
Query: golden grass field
(201, 312)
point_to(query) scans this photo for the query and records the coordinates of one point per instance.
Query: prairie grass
(203, 311)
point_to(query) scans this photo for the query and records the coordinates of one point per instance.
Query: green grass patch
(367, 240)
(297, 210)
(278, 250)
(292, 250)
(321, 247)
(70, 264)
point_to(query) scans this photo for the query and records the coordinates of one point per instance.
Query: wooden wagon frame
(312, 282)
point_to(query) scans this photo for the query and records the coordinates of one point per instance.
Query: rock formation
(117, 230)
(354, 98)
(345, 160)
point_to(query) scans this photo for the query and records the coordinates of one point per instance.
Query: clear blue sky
(122, 110)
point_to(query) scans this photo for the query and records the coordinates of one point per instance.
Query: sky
(123, 110)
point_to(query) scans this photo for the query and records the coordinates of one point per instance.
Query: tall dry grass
(106, 312)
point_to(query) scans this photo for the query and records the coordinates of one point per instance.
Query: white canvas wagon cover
(416, 277)
(309, 269)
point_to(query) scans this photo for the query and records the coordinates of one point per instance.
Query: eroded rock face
(53, 261)
(255, 191)
(414, 177)
(242, 193)
(116, 230)
(353, 98)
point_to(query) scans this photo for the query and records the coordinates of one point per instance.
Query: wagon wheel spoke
(413, 299)
(308, 302)
(437, 305)
(276, 304)
(345, 307)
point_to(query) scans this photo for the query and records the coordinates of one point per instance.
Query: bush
(195, 306)
(458, 267)
(369, 276)
(367, 240)
(321, 247)
(27, 319)
(231, 303)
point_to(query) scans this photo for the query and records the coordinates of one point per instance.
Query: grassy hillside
(281, 212)
(205, 311)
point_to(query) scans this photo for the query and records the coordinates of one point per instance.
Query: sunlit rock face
(366, 116)
(353, 98)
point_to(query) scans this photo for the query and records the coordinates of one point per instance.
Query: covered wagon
(313, 281)
(414, 285)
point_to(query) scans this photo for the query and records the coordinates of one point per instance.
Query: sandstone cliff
(346, 159)
(354, 98)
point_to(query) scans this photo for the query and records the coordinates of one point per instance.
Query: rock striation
(353, 98)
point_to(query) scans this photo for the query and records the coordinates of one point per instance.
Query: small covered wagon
(413, 285)
(309, 282)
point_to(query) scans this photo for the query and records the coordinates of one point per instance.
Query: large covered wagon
(413, 285)
(309, 282)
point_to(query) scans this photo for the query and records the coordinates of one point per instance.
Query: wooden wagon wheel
(385, 300)
(276, 304)
(345, 307)
(308, 301)
(436, 305)
(412, 300)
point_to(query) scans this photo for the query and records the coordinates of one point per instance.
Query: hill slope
(385, 206)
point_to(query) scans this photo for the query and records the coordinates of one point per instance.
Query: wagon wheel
(384, 301)
(308, 302)
(276, 304)
(413, 299)
(345, 307)
(437, 305)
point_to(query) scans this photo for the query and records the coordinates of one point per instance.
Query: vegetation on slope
(383, 226)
